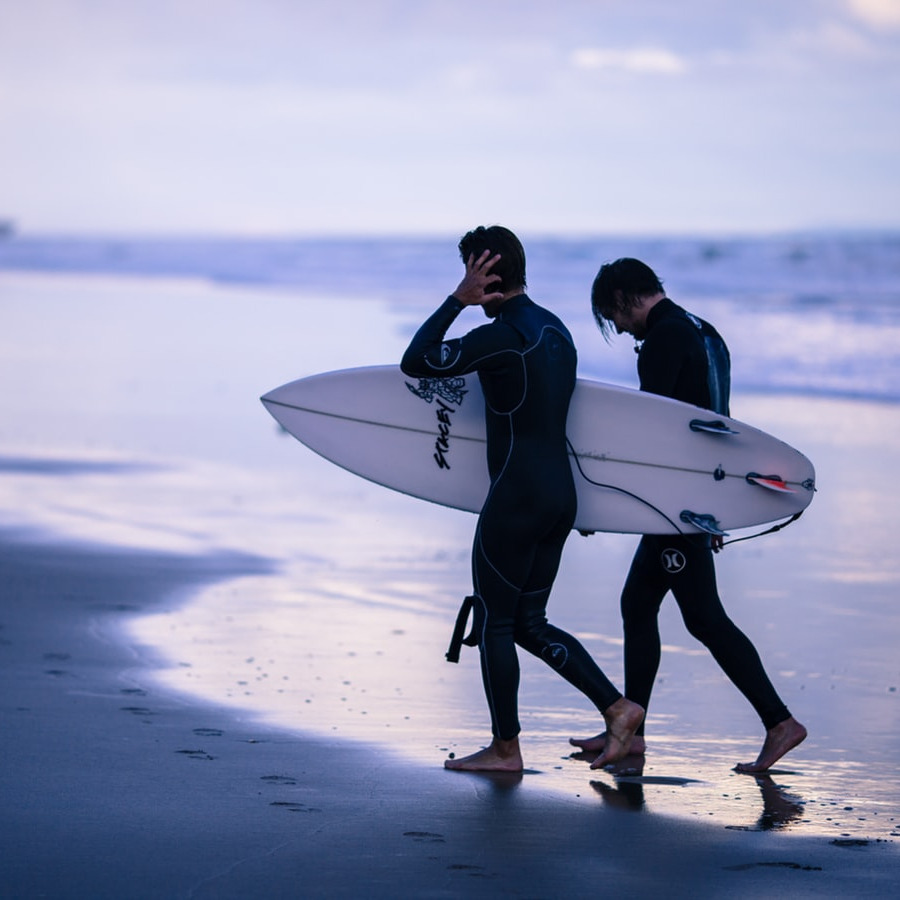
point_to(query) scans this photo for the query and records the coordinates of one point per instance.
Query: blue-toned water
(130, 372)
(813, 314)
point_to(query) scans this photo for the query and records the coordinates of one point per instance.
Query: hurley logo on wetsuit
(672, 560)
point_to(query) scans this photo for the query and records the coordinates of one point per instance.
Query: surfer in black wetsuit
(685, 358)
(525, 360)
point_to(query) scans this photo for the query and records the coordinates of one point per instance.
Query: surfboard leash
(771, 530)
(621, 490)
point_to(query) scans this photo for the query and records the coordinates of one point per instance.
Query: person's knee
(708, 628)
(539, 638)
(700, 632)
(529, 631)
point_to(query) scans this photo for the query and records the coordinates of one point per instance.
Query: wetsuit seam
(530, 349)
(494, 568)
(494, 482)
(485, 663)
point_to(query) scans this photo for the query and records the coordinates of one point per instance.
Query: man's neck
(495, 307)
(642, 310)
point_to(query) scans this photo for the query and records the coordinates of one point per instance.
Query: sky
(299, 117)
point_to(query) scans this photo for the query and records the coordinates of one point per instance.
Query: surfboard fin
(770, 482)
(703, 521)
(713, 427)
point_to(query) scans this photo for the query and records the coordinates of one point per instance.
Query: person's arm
(429, 355)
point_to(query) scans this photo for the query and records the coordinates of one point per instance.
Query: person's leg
(644, 590)
(565, 653)
(696, 593)
(496, 604)
(494, 612)
(642, 595)
(561, 651)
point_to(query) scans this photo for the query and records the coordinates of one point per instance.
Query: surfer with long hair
(683, 357)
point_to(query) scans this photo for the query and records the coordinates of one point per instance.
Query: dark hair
(620, 285)
(511, 265)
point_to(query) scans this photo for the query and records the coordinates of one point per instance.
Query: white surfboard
(643, 464)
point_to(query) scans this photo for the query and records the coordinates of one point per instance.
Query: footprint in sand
(195, 754)
(294, 807)
(139, 711)
(475, 871)
(278, 779)
(744, 867)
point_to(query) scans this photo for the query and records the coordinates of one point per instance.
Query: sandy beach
(222, 658)
(114, 787)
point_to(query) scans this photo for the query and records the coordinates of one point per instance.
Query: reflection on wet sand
(780, 808)
(498, 782)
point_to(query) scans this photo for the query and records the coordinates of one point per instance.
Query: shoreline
(163, 492)
(115, 788)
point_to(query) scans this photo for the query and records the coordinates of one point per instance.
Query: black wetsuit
(685, 358)
(525, 360)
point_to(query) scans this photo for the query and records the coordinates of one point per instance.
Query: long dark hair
(620, 285)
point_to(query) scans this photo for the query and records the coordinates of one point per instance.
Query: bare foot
(629, 766)
(596, 744)
(622, 720)
(500, 756)
(779, 740)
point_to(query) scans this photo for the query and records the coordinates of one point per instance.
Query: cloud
(279, 114)
(877, 13)
(642, 60)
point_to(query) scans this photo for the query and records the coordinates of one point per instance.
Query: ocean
(817, 314)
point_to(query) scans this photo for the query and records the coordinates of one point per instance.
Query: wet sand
(114, 787)
(223, 674)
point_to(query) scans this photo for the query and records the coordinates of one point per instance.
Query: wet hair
(621, 285)
(511, 265)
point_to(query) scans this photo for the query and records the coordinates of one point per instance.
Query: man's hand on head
(474, 289)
